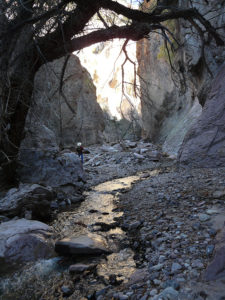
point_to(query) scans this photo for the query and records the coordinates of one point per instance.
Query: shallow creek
(96, 217)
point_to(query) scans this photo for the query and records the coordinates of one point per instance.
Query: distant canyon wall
(63, 112)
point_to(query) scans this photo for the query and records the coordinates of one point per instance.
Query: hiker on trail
(80, 151)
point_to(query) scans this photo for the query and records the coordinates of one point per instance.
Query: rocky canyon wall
(172, 100)
(60, 119)
(204, 145)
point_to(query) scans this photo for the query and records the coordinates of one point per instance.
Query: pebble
(209, 250)
(157, 267)
(78, 268)
(145, 297)
(169, 294)
(204, 217)
(197, 264)
(219, 194)
(134, 225)
(162, 258)
(212, 232)
(172, 283)
(157, 282)
(212, 211)
(66, 290)
(153, 292)
(120, 296)
(175, 268)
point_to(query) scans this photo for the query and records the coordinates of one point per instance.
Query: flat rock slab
(83, 245)
(80, 268)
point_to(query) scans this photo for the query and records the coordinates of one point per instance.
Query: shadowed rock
(204, 145)
(80, 268)
(216, 269)
(62, 171)
(23, 241)
(28, 197)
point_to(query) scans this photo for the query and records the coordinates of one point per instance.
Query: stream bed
(98, 218)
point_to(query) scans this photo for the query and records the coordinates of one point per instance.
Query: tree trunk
(18, 64)
(17, 98)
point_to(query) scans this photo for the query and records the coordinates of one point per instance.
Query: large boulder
(61, 171)
(23, 241)
(34, 200)
(63, 118)
(204, 145)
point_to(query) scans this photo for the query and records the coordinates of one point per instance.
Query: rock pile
(121, 159)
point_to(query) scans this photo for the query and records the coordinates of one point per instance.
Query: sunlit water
(97, 215)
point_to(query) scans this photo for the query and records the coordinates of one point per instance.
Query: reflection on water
(98, 206)
(120, 264)
(96, 215)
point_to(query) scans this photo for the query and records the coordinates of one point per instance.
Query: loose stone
(175, 268)
(169, 294)
(204, 217)
(210, 249)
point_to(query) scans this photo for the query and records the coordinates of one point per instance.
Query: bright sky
(134, 3)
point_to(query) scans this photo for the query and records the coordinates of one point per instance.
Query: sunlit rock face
(171, 102)
(166, 113)
(120, 103)
(63, 119)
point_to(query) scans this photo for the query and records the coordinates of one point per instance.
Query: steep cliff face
(62, 119)
(171, 102)
(204, 145)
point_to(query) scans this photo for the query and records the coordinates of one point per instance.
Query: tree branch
(133, 32)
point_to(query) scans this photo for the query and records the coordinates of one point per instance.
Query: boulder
(61, 171)
(28, 197)
(23, 241)
(82, 245)
(204, 145)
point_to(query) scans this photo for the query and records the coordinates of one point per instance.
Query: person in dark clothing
(80, 151)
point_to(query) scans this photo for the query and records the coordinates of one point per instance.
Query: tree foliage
(33, 32)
